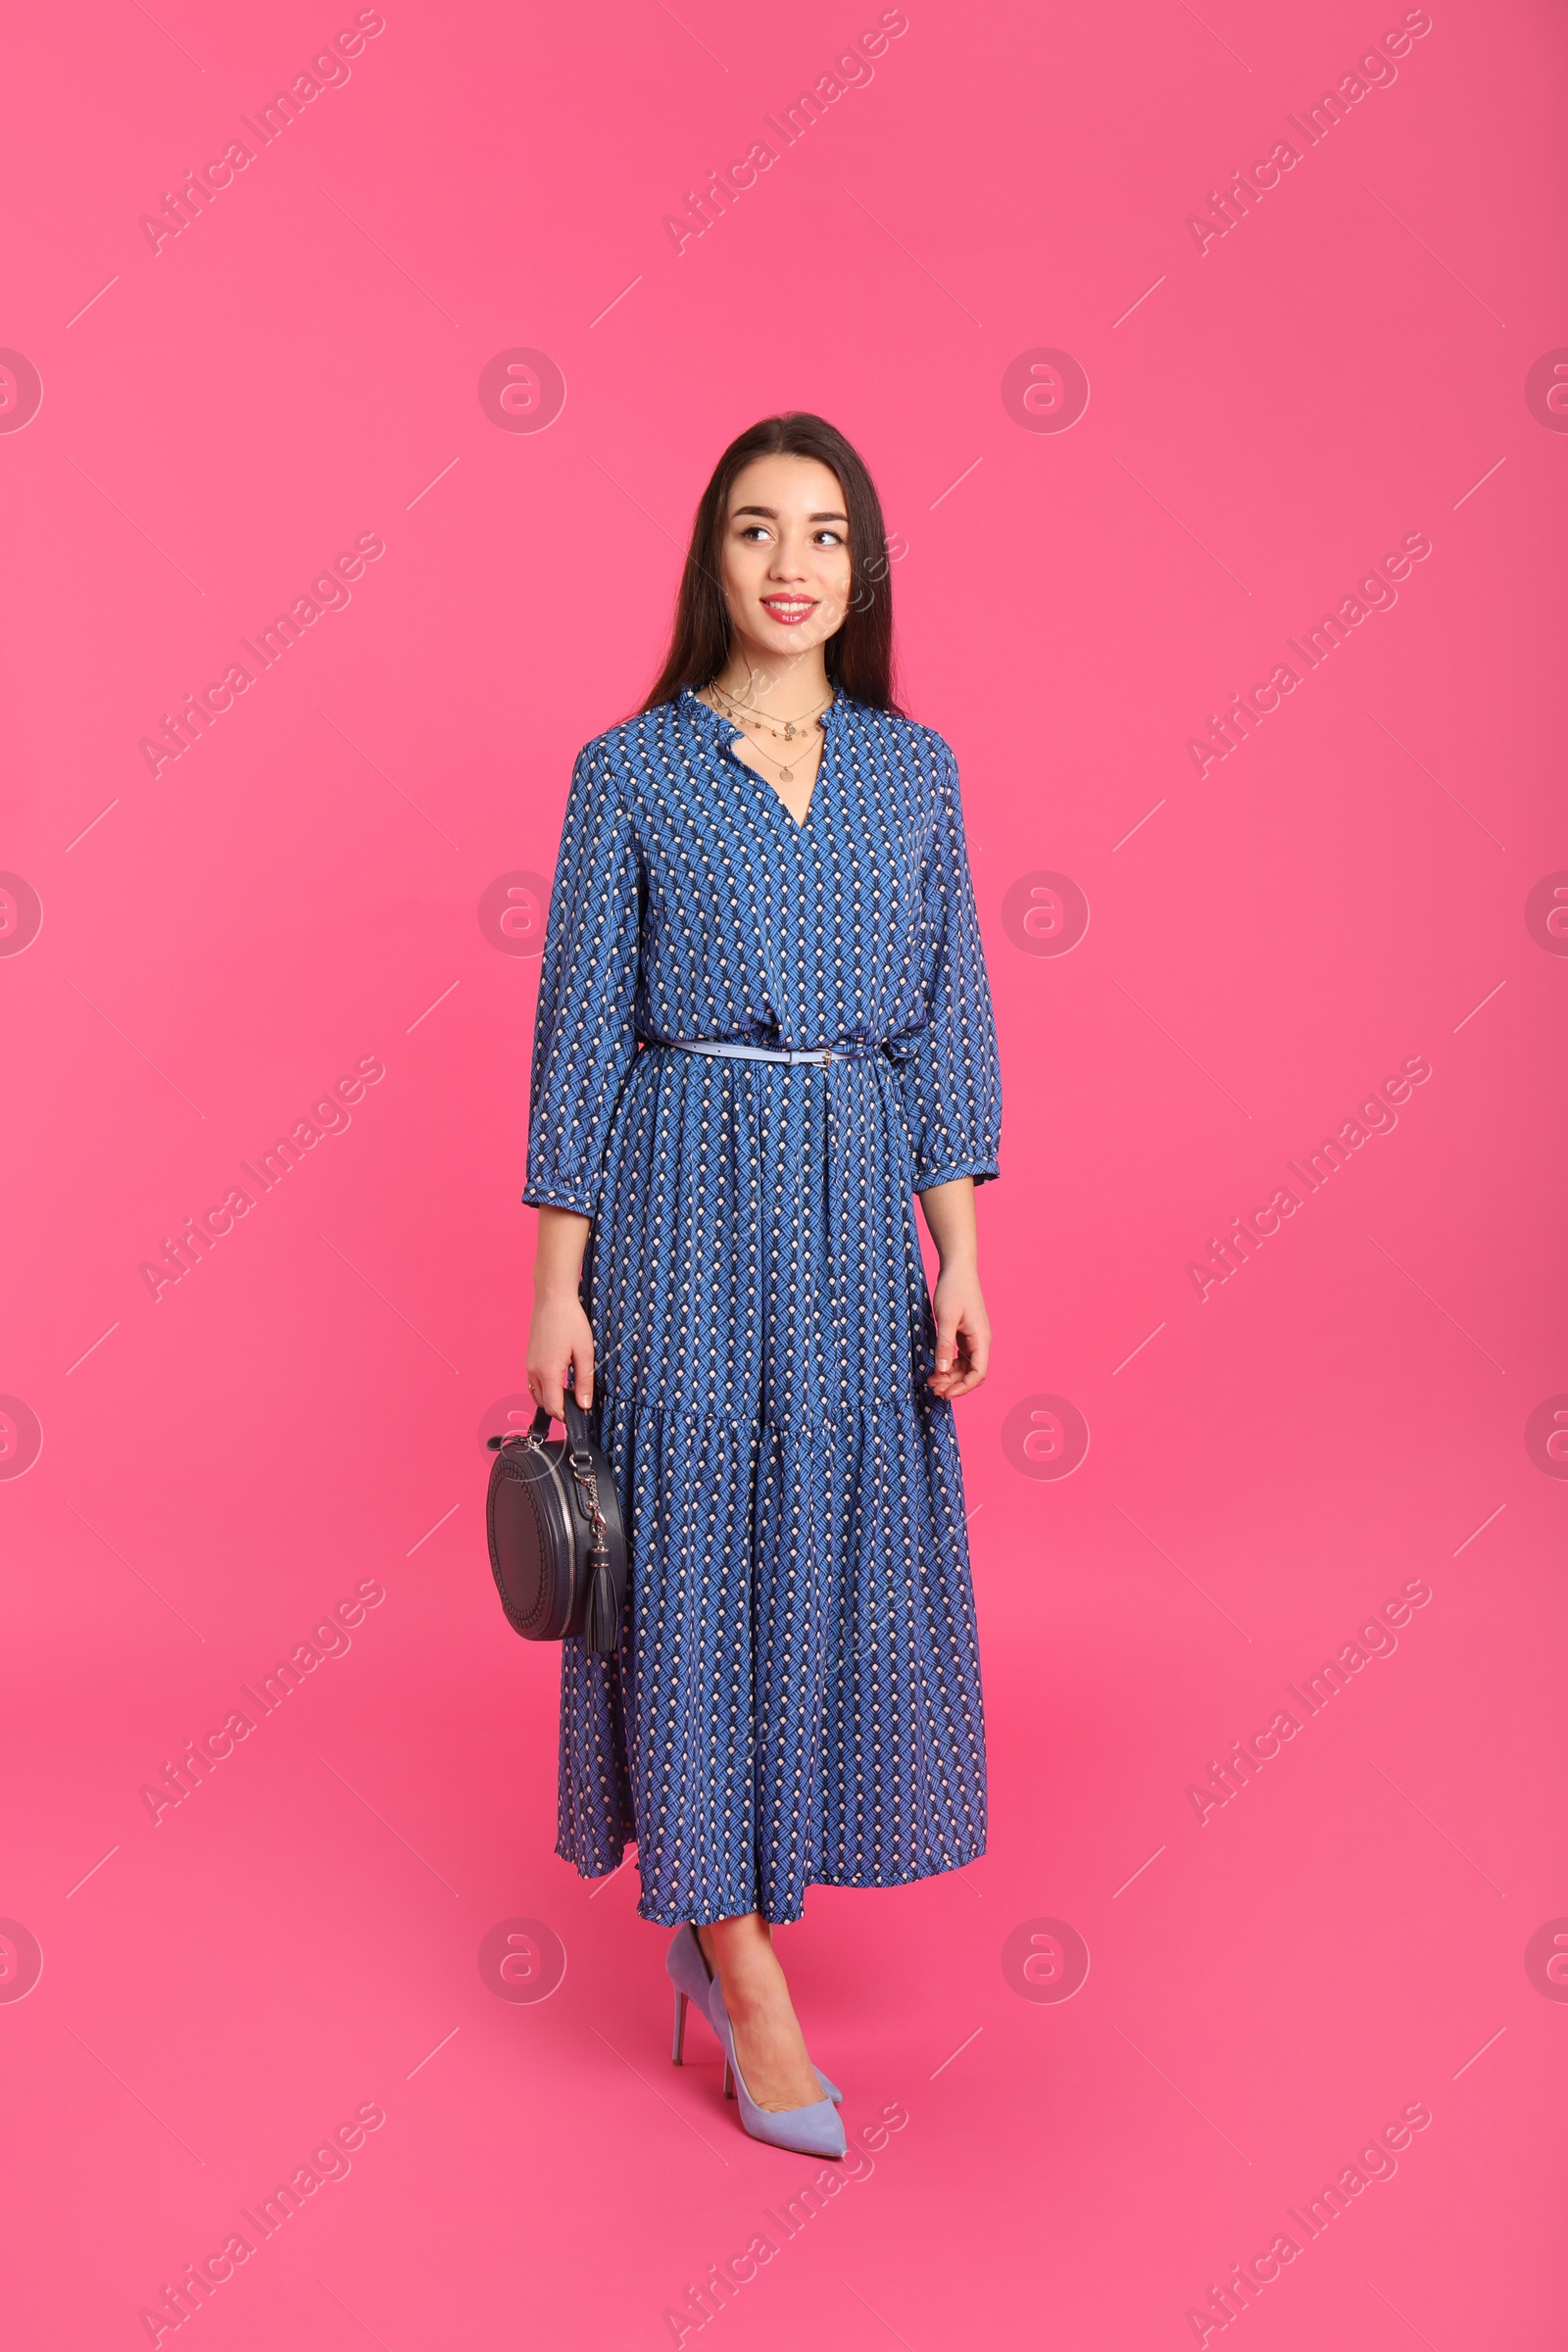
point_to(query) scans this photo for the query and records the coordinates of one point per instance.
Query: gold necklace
(746, 715)
(786, 775)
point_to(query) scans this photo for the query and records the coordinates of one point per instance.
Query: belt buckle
(826, 1057)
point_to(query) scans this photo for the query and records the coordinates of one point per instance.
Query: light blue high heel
(686, 1966)
(812, 2130)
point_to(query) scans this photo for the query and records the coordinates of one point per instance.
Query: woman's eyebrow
(772, 515)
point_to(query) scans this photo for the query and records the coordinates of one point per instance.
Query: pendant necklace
(743, 715)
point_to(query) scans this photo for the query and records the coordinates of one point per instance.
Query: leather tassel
(602, 1627)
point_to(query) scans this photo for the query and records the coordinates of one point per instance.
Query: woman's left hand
(963, 1335)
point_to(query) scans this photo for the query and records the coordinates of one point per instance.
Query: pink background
(1365, 1403)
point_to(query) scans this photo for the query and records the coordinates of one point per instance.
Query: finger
(947, 1339)
(970, 1351)
(547, 1389)
(583, 1357)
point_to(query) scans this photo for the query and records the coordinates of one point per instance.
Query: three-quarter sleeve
(948, 1066)
(584, 1036)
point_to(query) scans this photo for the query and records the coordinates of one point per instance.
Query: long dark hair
(859, 654)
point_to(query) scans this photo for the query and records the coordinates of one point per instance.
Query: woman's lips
(790, 610)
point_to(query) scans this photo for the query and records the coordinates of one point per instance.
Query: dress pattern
(796, 1695)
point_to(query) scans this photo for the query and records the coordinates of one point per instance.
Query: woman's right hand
(561, 1339)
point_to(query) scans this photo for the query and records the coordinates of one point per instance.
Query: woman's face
(786, 558)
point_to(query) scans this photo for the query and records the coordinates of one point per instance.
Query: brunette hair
(859, 654)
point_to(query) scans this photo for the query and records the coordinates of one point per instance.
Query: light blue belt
(821, 1055)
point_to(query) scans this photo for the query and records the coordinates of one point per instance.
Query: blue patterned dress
(796, 1697)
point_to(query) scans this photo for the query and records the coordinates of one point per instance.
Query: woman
(764, 1023)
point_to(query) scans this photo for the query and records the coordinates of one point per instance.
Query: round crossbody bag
(557, 1543)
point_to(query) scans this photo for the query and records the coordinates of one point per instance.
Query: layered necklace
(746, 717)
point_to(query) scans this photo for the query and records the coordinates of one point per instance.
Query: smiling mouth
(790, 609)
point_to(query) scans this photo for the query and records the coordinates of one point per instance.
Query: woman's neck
(781, 685)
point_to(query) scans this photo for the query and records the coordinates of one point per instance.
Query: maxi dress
(796, 1695)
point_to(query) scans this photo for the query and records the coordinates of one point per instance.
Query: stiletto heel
(686, 1965)
(812, 2130)
(729, 2080)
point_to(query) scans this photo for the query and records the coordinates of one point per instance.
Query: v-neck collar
(723, 732)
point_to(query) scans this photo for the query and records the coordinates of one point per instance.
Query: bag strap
(578, 1428)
